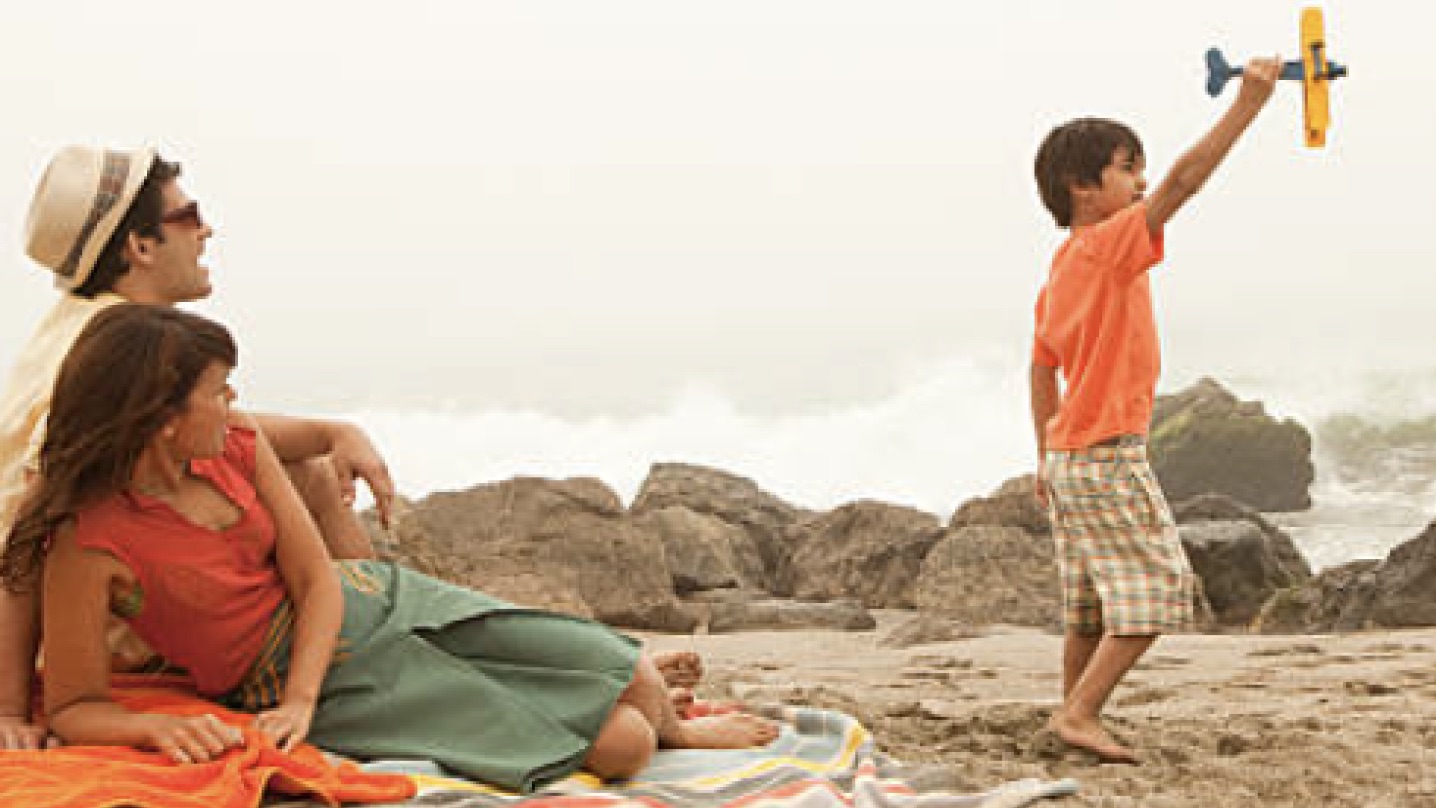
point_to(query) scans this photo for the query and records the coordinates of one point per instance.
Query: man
(116, 226)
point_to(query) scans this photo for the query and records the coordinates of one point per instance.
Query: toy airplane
(1314, 70)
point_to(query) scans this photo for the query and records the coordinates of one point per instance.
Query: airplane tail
(1218, 71)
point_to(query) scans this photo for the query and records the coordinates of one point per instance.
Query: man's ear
(137, 249)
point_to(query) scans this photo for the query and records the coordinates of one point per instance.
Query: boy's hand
(1258, 80)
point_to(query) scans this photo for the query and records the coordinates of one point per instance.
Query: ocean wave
(953, 430)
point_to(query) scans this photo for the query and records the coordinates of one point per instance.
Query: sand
(1221, 720)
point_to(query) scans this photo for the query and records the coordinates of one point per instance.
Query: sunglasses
(187, 216)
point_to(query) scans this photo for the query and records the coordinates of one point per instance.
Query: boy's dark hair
(1076, 152)
(143, 218)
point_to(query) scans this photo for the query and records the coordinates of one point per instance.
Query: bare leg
(624, 745)
(1078, 721)
(649, 694)
(1076, 653)
(318, 486)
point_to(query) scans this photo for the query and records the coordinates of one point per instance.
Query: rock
(558, 544)
(735, 615)
(923, 629)
(1204, 439)
(1014, 504)
(1219, 508)
(1338, 599)
(982, 574)
(732, 499)
(1404, 584)
(870, 551)
(703, 551)
(1239, 565)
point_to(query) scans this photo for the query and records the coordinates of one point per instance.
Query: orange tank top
(207, 596)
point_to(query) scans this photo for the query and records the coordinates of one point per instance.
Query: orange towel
(106, 776)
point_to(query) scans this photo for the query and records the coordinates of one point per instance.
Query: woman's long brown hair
(131, 369)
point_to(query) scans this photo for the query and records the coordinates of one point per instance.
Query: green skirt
(423, 669)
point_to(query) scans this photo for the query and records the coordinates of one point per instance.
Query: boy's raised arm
(1192, 169)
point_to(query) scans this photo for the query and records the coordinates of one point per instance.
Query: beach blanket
(823, 759)
(106, 776)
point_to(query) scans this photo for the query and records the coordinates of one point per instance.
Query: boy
(1125, 577)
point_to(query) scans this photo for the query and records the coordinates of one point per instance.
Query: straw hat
(81, 198)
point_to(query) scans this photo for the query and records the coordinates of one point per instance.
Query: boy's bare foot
(1089, 735)
(679, 668)
(727, 731)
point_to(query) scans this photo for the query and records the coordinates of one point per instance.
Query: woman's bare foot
(683, 700)
(728, 731)
(1089, 735)
(679, 668)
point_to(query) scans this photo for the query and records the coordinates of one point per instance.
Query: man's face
(178, 275)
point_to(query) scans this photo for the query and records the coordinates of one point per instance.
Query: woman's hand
(287, 725)
(192, 739)
(19, 733)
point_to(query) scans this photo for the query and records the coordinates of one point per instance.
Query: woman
(159, 504)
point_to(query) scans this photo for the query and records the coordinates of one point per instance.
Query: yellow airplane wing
(1314, 77)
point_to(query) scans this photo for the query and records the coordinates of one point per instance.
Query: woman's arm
(76, 597)
(314, 591)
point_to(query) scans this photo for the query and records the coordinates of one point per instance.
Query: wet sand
(1220, 720)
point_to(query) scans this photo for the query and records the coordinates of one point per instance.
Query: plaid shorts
(1123, 568)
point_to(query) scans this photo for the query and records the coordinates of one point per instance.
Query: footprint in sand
(1360, 688)
(1300, 649)
(1163, 662)
(1151, 695)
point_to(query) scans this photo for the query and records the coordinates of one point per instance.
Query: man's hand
(18, 733)
(1039, 485)
(354, 456)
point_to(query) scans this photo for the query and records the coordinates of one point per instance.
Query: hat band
(108, 191)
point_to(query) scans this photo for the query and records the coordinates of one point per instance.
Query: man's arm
(346, 445)
(1046, 396)
(1193, 168)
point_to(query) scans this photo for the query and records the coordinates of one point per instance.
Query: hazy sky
(586, 207)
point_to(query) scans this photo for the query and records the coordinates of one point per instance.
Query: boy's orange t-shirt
(1095, 323)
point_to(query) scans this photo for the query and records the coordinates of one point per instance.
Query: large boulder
(703, 551)
(1204, 439)
(1014, 504)
(1241, 558)
(1396, 592)
(1405, 584)
(1238, 566)
(1219, 508)
(987, 574)
(558, 544)
(735, 500)
(1338, 599)
(871, 551)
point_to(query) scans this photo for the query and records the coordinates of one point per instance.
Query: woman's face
(199, 431)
